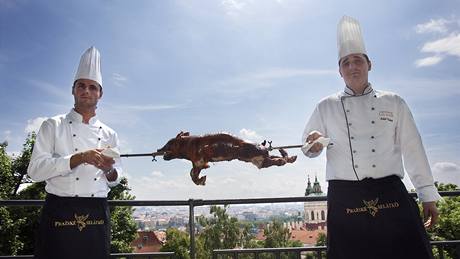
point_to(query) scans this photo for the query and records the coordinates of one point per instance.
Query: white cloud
(61, 92)
(439, 25)
(241, 84)
(6, 134)
(141, 108)
(429, 61)
(446, 172)
(118, 79)
(250, 135)
(34, 124)
(449, 45)
(233, 7)
(157, 174)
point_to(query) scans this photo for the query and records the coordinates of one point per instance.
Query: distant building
(315, 211)
(314, 221)
(148, 241)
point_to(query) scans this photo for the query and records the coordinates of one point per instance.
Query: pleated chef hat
(349, 37)
(90, 66)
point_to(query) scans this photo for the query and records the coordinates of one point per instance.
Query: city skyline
(252, 68)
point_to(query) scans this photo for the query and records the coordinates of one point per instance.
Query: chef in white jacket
(75, 154)
(371, 132)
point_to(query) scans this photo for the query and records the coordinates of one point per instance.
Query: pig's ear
(183, 134)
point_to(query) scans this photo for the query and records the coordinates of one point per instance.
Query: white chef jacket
(57, 140)
(370, 135)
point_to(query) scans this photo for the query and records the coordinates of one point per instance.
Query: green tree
(220, 231)
(124, 228)
(448, 227)
(177, 242)
(18, 224)
(276, 235)
(12, 239)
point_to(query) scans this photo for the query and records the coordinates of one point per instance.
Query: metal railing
(164, 255)
(192, 203)
(317, 251)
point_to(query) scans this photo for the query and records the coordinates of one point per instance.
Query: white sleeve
(117, 166)
(415, 159)
(315, 123)
(44, 163)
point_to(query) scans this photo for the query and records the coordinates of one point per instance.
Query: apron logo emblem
(81, 221)
(372, 207)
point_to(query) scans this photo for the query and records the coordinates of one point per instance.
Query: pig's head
(173, 148)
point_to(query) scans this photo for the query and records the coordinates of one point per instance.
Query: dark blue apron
(374, 218)
(73, 227)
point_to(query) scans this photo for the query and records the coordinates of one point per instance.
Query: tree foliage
(177, 242)
(448, 227)
(220, 231)
(18, 224)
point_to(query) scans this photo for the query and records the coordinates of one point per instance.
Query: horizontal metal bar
(312, 248)
(144, 255)
(285, 147)
(114, 255)
(200, 202)
(270, 250)
(143, 154)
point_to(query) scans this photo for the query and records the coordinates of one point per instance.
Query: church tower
(315, 211)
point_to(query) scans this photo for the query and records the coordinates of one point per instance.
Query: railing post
(191, 223)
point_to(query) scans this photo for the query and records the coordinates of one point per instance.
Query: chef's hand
(317, 147)
(96, 158)
(430, 214)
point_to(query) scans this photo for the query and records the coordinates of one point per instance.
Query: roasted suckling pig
(219, 147)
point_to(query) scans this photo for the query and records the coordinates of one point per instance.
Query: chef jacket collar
(77, 117)
(348, 91)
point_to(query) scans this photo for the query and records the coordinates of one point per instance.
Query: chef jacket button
(352, 137)
(373, 150)
(95, 179)
(349, 124)
(348, 110)
(98, 138)
(76, 149)
(372, 108)
(92, 195)
(70, 122)
(74, 135)
(356, 166)
(372, 137)
(354, 151)
(373, 166)
(77, 178)
(375, 95)
(372, 122)
(100, 127)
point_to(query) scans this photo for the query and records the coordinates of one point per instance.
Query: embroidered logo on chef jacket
(372, 207)
(81, 222)
(386, 116)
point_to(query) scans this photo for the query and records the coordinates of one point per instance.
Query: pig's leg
(195, 175)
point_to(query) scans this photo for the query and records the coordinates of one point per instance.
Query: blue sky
(253, 68)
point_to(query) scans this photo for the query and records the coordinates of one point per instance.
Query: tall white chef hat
(349, 37)
(90, 66)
